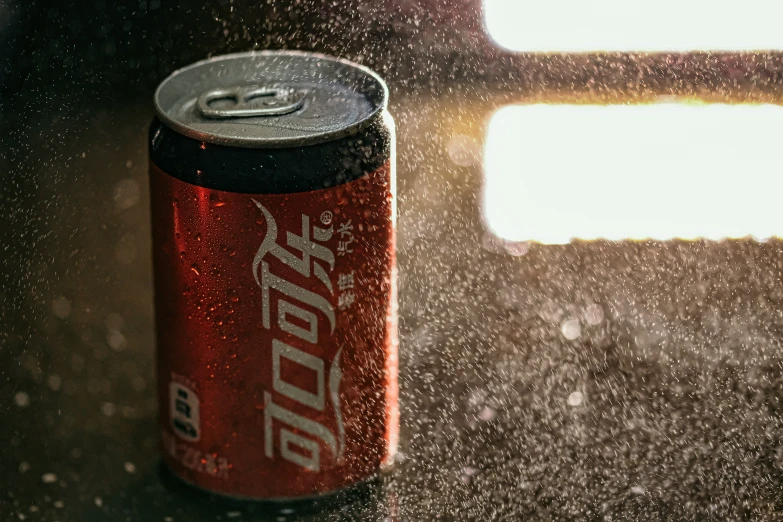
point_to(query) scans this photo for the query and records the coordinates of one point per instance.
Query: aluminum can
(272, 182)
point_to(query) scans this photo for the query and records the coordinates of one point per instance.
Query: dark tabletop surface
(666, 405)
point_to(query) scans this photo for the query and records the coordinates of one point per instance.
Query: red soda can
(273, 214)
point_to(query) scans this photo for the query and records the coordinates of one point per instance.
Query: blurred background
(542, 378)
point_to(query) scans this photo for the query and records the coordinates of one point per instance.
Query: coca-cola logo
(309, 255)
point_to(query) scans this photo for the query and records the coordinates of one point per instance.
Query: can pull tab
(245, 102)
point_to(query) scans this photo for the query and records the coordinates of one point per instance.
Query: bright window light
(627, 25)
(660, 171)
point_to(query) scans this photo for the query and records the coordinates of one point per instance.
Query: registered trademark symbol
(326, 218)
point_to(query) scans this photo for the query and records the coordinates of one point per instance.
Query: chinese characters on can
(301, 445)
(345, 281)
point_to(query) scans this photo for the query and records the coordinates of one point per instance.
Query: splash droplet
(594, 314)
(22, 399)
(126, 193)
(571, 329)
(61, 307)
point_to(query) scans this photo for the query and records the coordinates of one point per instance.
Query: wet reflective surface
(586, 381)
(590, 381)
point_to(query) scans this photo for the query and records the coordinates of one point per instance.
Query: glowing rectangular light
(627, 25)
(659, 171)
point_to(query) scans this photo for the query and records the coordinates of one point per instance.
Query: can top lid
(270, 99)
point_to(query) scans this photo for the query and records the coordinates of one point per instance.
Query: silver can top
(270, 99)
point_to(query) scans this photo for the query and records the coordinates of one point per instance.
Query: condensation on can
(273, 217)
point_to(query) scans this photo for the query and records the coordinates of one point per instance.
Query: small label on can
(280, 310)
(184, 412)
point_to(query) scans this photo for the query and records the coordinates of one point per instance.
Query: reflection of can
(272, 188)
